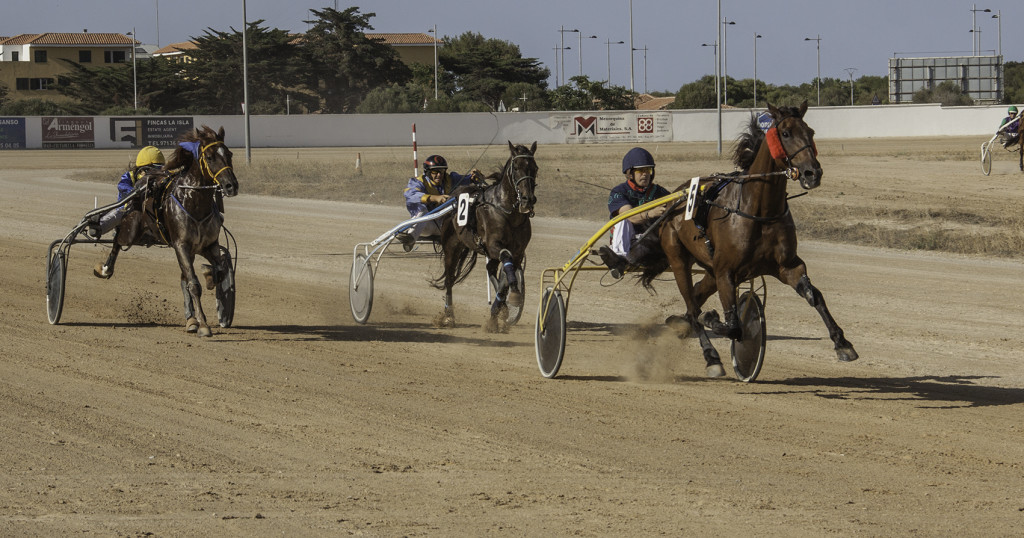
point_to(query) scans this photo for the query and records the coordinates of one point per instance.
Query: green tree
(110, 90)
(344, 64)
(482, 69)
(584, 94)
(1013, 82)
(37, 106)
(214, 72)
(392, 99)
(698, 94)
(948, 93)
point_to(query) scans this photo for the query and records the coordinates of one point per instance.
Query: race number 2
(462, 209)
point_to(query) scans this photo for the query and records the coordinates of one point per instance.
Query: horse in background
(183, 208)
(749, 232)
(495, 221)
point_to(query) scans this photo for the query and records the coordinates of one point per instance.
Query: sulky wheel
(226, 292)
(360, 289)
(986, 160)
(56, 273)
(550, 342)
(748, 352)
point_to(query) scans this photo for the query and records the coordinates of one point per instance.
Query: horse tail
(652, 268)
(463, 266)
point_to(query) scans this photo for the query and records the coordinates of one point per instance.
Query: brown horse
(749, 232)
(494, 221)
(182, 208)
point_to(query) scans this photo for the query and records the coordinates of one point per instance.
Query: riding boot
(617, 264)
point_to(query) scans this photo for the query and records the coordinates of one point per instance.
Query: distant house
(646, 101)
(30, 63)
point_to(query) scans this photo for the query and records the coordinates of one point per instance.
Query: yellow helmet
(148, 156)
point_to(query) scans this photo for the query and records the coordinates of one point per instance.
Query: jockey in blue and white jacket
(432, 189)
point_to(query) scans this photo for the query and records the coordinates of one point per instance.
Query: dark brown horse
(182, 208)
(749, 233)
(494, 221)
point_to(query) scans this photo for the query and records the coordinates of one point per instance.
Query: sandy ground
(298, 421)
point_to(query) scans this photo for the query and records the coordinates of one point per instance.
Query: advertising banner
(12, 133)
(64, 132)
(140, 132)
(614, 126)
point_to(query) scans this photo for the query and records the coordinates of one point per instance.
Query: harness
(165, 190)
(507, 173)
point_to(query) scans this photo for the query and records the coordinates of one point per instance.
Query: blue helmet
(637, 158)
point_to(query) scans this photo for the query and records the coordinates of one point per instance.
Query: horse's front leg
(192, 291)
(500, 296)
(682, 268)
(797, 278)
(510, 266)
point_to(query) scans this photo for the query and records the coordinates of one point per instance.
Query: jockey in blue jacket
(639, 188)
(426, 192)
(149, 158)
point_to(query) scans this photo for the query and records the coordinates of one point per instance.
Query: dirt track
(298, 421)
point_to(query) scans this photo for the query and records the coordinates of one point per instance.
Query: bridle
(516, 182)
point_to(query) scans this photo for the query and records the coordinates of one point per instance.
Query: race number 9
(462, 209)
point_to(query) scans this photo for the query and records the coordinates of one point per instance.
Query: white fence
(360, 130)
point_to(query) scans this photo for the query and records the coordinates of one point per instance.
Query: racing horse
(493, 220)
(182, 208)
(749, 232)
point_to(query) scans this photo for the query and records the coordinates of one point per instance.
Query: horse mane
(181, 157)
(749, 142)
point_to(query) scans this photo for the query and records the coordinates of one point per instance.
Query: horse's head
(521, 170)
(797, 142)
(215, 159)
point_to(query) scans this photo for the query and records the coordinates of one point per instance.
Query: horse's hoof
(715, 370)
(847, 354)
(102, 271)
(191, 325)
(709, 318)
(681, 325)
(204, 331)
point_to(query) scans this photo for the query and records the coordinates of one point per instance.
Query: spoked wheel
(748, 353)
(360, 288)
(226, 293)
(986, 160)
(550, 342)
(514, 312)
(56, 272)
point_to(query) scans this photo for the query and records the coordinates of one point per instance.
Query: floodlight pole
(245, 86)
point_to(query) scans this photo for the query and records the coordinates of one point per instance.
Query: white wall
(356, 130)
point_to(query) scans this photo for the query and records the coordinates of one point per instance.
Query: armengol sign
(64, 132)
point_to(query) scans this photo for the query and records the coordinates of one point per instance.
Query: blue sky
(859, 35)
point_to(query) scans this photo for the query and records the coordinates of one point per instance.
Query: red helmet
(435, 162)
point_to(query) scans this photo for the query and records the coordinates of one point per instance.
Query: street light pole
(609, 44)
(976, 39)
(718, 101)
(756, 37)
(645, 67)
(562, 32)
(631, 45)
(850, 71)
(434, 31)
(999, 29)
(818, 39)
(581, 50)
(135, 76)
(245, 86)
(725, 58)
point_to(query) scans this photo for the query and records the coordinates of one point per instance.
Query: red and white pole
(415, 161)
